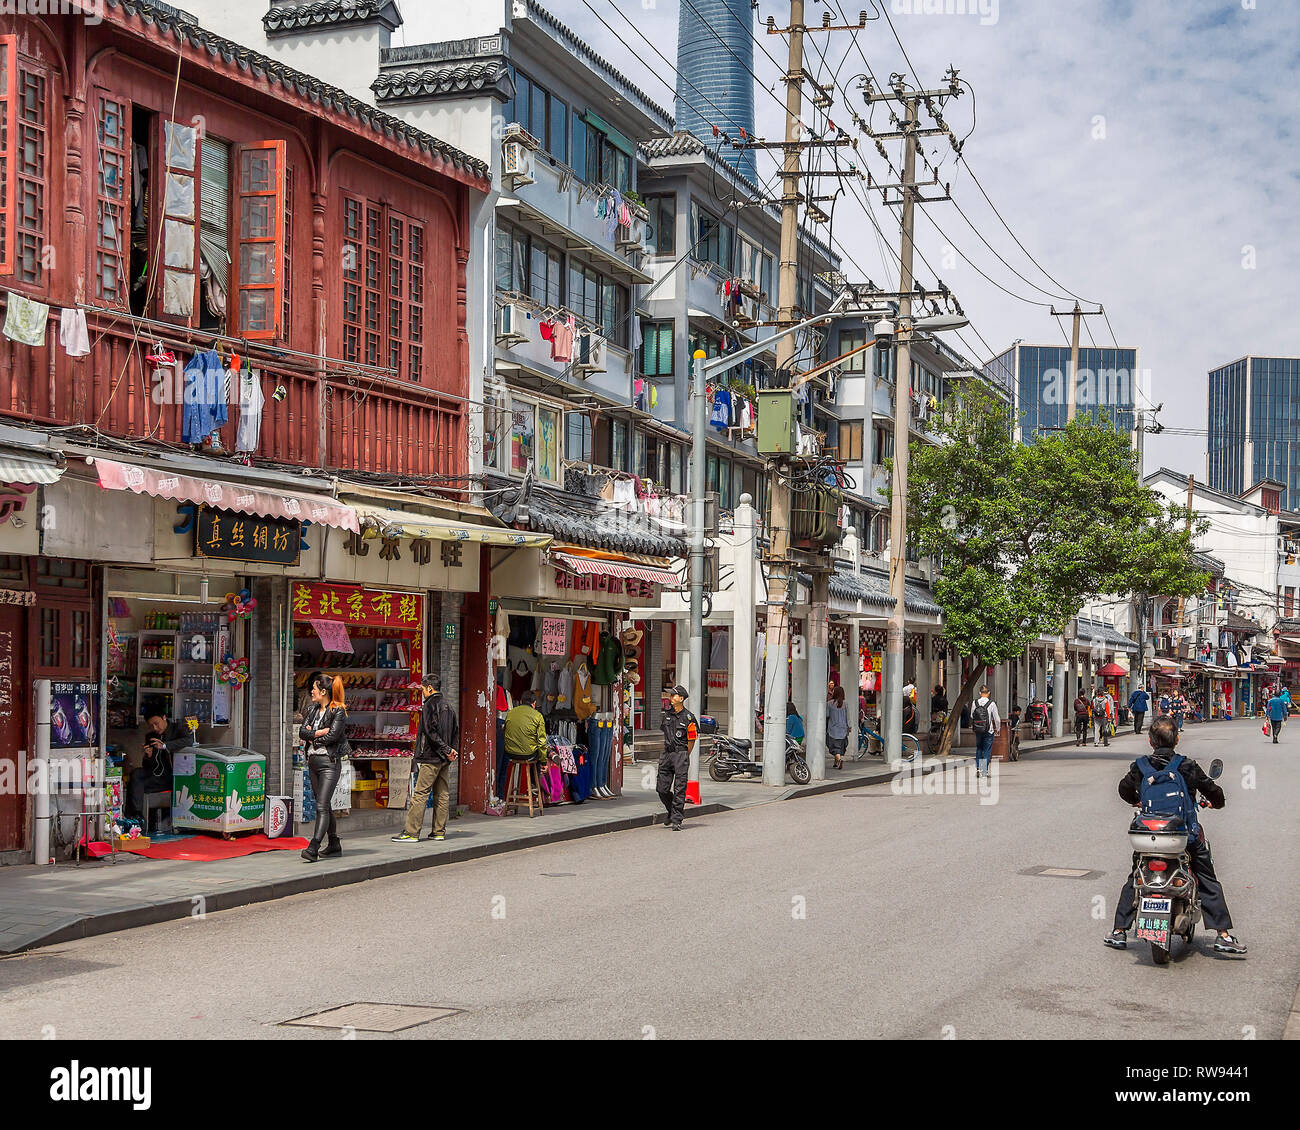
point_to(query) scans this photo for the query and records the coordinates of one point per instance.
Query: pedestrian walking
(1178, 708)
(1139, 702)
(324, 729)
(837, 727)
(1102, 716)
(435, 750)
(1082, 712)
(681, 731)
(984, 721)
(1277, 712)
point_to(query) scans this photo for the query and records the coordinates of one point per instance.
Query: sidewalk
(44, 905)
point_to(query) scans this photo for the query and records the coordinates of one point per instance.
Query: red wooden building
(179, 190)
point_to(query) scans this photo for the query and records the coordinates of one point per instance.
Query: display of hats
(632, 664)
(632, 637)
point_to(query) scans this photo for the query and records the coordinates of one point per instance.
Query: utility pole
(1072, 382)
(1187, 529)
(909, 131)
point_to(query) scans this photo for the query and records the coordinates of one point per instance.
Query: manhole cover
(367, 1016)
(1063, 872)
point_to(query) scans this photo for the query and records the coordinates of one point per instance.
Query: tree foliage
(1027, 533)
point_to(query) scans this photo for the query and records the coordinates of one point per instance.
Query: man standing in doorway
(435, 750)
(681, 730)
(1139, 702)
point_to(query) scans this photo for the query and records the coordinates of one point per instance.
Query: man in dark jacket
(1163, 736)
(162, 739)
(681, 731)
(435, 750)
(1139, 702)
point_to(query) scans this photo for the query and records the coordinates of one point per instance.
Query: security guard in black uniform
(681, 731)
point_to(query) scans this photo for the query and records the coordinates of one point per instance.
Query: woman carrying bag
(324, 731)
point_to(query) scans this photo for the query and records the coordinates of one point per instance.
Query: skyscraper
(1254, 425)
(715, 82)
(1036, 375)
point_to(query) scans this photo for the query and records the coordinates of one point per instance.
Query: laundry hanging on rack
(73, 335)
(25, 320)
(562, 334)
(721, 415)
(205, 404)
(251, 401)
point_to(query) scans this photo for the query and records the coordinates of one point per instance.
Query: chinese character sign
(353, 604)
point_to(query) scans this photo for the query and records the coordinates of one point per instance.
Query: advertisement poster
(555, 637)
(74, 714)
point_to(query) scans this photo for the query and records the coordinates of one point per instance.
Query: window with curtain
(657, 349)
(850, 441)
(639, 467)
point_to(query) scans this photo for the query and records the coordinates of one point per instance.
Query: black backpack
(980, 718)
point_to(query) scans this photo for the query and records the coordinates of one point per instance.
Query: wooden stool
(532, 782)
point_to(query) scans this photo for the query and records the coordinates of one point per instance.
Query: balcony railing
(371, 422)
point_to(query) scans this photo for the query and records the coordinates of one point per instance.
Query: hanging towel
(25, 320)
(73, 335)
(251, 401)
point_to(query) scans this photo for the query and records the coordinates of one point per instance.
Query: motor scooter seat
(740, 743)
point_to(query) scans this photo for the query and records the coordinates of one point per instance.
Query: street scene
(650, 520)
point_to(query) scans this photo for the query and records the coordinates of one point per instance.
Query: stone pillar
(684, 662)
(477, 687)
(741, 637)
(1001, 687)
(799, 669)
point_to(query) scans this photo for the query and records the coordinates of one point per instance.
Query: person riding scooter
(1163, 735)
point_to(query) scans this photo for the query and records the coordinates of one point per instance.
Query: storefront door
(13, 724)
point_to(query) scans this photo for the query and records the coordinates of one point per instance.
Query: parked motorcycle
(1038, 718)
(734, 757)
(1164, 885)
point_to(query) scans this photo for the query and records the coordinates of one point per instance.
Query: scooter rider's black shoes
(1228, 944)
(1116, 939)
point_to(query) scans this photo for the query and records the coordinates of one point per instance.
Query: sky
(1144, 152)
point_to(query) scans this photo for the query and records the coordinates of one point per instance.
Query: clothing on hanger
(721, 415)
(251, 401)
(205, 407)
(562, 332)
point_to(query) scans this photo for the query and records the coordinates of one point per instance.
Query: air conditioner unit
(626, 238)
(511, 320)
(590, 354)
(516, 163)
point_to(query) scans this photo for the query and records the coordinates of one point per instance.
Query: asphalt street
(857, 914)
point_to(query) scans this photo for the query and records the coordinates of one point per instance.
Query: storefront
(565, 627)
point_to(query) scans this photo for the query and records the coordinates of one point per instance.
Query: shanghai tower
(715, 82)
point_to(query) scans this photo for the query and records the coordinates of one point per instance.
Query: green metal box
(776, 422)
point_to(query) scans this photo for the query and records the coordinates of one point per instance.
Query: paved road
(860, 914)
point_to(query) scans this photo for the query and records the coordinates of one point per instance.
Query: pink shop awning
(224, 495)
(595, 566)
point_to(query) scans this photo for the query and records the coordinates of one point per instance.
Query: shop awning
(19, 469)
(377, 521)
(225, 495)
(599, 567)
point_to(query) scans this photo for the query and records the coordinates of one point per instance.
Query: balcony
(527, 359)
(355, 422)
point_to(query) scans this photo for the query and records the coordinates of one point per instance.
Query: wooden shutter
(181, 147)
(258, 282)
(8, 138)
(113, 200)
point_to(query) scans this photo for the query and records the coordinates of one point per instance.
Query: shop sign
(230, 536)
(354, 604)
(13, 596)
(449, 631)
(614, 586)
(555, 634)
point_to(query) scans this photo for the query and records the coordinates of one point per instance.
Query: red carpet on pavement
(208, 849)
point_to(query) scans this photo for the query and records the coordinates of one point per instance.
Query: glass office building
(1106, 386)
(1254, 425)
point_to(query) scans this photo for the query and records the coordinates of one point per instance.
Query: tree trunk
(954, 713)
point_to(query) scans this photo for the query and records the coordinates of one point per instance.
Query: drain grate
(368, 1016)
(1063, 872)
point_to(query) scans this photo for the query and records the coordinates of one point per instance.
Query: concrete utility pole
(699, 416)
(1072, 381)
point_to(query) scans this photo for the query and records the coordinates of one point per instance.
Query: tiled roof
(578, 44)
(434, 82)
(872, 588)
(580, 520)
(168, 21)
(329, 13)
(1098, 632)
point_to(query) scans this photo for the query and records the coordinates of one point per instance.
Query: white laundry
(250, 411)
(73, 335)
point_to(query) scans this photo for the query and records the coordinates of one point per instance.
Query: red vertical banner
(478, 728)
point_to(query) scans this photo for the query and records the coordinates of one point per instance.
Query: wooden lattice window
(259, 242)
(181, 152)
(287, 287)
(405, 296)
(353, 212)
(8, 134)
(31, 172)
(113, 200)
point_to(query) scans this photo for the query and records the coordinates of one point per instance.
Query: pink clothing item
(552, 784)
(562, 341)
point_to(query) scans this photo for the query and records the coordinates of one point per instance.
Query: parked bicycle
(866, 735)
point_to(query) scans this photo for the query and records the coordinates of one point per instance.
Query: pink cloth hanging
(552, 784)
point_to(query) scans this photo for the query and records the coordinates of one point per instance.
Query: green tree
(1026, 534)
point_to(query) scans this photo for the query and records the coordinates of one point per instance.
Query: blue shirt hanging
(721, 416)
(205, 401)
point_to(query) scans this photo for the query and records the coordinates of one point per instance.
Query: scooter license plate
(1153, 919)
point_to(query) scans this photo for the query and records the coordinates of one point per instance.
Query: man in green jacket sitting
(526, 731)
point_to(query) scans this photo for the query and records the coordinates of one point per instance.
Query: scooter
(1168, 899)
(733, 757)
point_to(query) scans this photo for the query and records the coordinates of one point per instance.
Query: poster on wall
(221, 692)
(74, 708)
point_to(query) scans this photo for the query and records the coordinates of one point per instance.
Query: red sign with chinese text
(354, 604)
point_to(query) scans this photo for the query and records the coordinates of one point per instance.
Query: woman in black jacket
(324, 731)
